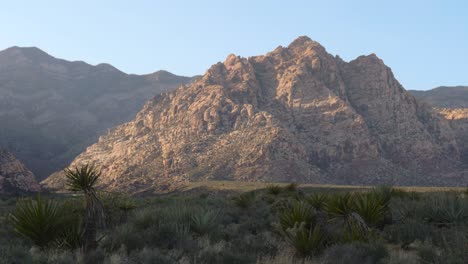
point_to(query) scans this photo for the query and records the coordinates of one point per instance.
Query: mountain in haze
(15, 178)
(451, 103)
(51, 109)
(295, 114)
(445, 96)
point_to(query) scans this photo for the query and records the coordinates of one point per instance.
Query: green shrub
(446, 209)
(292, 187)
(407, 233)
(244, 200)
(273, 189)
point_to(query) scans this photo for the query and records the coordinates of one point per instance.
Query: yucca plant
(318, 201)
(306, 240)
(38, 220)
(273, 189)
(371, 207)
(204, 221)
(297, 213)
(342, 210)
(84, 179)
(446, 210)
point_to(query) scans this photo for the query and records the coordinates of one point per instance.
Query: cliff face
(294, 114)
(52, 109)
(452, 104)
(15, 178)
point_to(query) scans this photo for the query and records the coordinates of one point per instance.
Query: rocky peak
(294, 114)
(14, 176)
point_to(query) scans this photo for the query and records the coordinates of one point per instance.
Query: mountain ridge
(295, 114)
(51, 109)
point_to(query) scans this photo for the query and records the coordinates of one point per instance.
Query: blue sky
(424, 42)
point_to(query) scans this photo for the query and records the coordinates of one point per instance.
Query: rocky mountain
(451, 103)
(295, 114)
(51, 109)
(444, 96)
(15, 178)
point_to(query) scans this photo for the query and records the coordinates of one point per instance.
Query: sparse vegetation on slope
(380, 225)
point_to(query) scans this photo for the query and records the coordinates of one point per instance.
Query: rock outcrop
(52, 109)
(15, 178)
(295, 114)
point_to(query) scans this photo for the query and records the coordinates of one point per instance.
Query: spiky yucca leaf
(306, 240)
(318, 201)
(38, 221)
(298, 212)
(340, 206)
(82, 179)
(371, 207)
(204, 221)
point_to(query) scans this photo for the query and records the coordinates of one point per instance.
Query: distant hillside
(444, 96)
(52, 109)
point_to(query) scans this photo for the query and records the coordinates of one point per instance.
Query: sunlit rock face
(52, 109)
(295, 114)
(15, 178)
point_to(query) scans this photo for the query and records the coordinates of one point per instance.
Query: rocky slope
(15, 178)
(445, 97)
(452, 104)
(51, 109)
(295, 114)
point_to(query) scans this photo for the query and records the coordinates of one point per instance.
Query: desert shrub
(445, 209)
(244, 200)
(404, 209)
(407, 233)
(116, 207)
(219, 252)
(274, 189)
(355, 253)
(124, 235)
(292, 187)
(144, 219)
(38, 220)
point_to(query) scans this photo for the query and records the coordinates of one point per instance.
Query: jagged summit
(295, 114)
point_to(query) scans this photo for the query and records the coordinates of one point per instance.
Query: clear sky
(424, 42)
